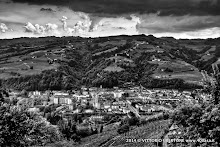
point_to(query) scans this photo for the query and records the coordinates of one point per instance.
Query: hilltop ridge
(70, 62)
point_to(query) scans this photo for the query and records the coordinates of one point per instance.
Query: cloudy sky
(94, 18)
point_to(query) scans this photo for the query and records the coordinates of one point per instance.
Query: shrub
(123, 128)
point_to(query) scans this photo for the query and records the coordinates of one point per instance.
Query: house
(115, 107)
(138, 106)
(83, 102)
(58, 52)
(109, 109)
(160, 51)
(117, 112)
(85, 92)
(35, 94)
(61, 108)
(38, 93)
(118, 94)
(186, 92)
(76, 111)
(34, 109)
(65, 100)
(153, 58)
(93, 89)
(62, 99)
(70, 107)
(60, 93)
(107, 105)
(14, 93)
(147, 109)
(78, 97)
(89, 111)
(125, 110)
(96, 118)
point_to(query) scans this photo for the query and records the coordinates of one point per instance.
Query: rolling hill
(69, 62)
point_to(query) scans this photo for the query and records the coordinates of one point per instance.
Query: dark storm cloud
(94, 18)
(177, 24)
(115, 7)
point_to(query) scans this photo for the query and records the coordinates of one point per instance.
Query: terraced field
(98, 139)
(136, 137)
(110, 138)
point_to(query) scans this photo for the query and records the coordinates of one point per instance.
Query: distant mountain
(69, 62)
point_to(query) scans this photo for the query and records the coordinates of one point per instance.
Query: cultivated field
(29, 64)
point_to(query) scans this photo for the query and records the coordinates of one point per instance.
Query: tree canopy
(19, 127)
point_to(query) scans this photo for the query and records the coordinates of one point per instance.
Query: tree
(202, 121)
(101, 129)
(21, 128)
(4, 92)
(53, 117)
(24, 93)
(199, 122)
(133, 121)
(1, 98)
(31, 67)
(213, 87)
(123, 128)
(68, 130)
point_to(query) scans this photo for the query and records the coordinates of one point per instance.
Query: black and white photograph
(109, 73)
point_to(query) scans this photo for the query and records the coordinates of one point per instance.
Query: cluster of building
(98, 102)
(112, 101)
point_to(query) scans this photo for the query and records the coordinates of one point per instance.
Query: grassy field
(147, 48)
(207, 57)
(106, 51)
(190, 76)
(197, 47)
(209, 54)
(120, 59)
(179, 70)
(212, 49)
(21, 65)
(113, 68)
(114, 43)
(176, 66)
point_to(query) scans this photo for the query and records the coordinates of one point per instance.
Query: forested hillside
(70, 62)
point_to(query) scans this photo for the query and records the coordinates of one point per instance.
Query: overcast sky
(94, 18)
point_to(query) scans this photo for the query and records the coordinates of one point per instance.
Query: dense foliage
(51, 80)
(69, 130)
(199, 122)
(19, 127)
